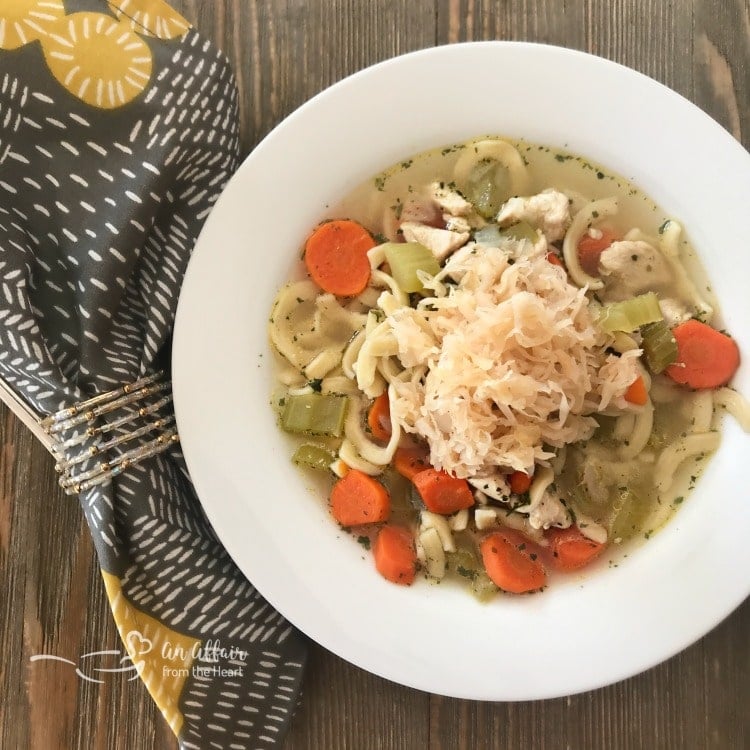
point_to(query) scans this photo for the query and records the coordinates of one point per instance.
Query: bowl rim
(226, 503)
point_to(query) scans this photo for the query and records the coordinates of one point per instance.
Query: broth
(626, 475)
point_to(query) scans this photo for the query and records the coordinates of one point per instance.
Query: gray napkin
(118, 131)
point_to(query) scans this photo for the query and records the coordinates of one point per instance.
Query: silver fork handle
(99, 438)
(25, 414)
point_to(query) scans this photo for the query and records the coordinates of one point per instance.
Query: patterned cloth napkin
(118, 130)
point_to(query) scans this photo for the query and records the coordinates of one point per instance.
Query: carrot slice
(555, 260)
(571, 550)
(379, 417)
(336, 257)
(441, 492)
(636, 392)
(590, 250)
(706, 358)
(512, 562)
(395, 558)
(358, 499)
(519, 482)
(410, 461)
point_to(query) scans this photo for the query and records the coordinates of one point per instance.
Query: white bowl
(580, 634)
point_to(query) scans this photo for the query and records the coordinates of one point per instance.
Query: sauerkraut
(514, 364)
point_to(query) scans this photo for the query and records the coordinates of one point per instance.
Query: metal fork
(97, 439)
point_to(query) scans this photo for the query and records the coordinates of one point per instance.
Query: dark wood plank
(283, 52)
(344, 707)
(696, 700)
(53, 603)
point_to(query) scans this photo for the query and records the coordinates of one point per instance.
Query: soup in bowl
(506, 360)
(599, 624)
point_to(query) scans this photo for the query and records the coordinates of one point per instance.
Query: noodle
(580, 225)
(493, 150)
(735, 404)
(698, 444)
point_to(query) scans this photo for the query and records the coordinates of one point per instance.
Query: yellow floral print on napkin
(150, 17)
(98, 58)
(162, 656)
(24, 21)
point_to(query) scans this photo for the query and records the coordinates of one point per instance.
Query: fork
(97, 439)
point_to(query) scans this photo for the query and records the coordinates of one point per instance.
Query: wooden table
(283, 52)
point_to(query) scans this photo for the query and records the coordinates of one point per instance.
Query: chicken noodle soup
(504, 358)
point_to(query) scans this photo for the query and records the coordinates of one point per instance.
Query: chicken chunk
(592, 530)
(631, 267)
(674, 312)
(450, 201)
(495, 487)
(545, 507)
(456, 223)
(442, 242)
(548, 211)
(549, 511)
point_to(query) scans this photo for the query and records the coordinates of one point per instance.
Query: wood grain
(52, 598)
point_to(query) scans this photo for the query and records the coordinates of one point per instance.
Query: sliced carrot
(555, 260)
(591, 248)
(636, 392)
(441, 492)
(706, 358)
(512, 562)
(519, 482)
(379, 417)
(358, 499)
(395, 558)
(410, 461)
(336, 257)
(571, 550)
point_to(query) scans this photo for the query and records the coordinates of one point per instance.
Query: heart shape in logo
(138, 644)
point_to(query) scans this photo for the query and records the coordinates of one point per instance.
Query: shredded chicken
(495, 487)
(450, 201)
(548, 211)
(674, 312)
(442, 242)
(631, 267)
(548, 511)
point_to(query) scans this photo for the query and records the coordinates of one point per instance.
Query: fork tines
(97, 439)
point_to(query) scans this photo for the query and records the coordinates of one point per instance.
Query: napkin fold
(118, 131)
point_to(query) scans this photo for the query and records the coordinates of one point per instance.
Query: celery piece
(631, 512)
(630, 314)
(488, 188)
(314, 414)
(659, 346)
(491, 235)
(399, 488)
(522, 230)
(405, 259)
(482, 587)
(488, 236)
(313, 457)
(463, 562)
(466, 563)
